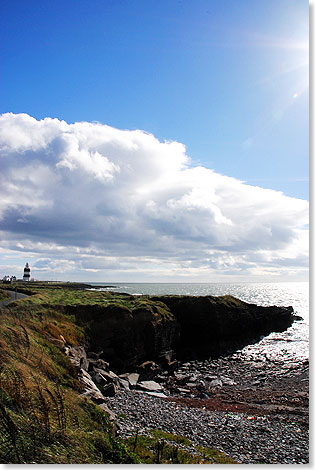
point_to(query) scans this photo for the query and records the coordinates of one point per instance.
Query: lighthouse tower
(27, 272)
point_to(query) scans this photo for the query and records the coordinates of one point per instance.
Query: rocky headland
(161, 328)
(175, 364)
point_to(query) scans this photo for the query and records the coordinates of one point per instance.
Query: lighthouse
(27, 272)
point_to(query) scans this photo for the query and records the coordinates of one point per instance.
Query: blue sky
(115, 197)
(219, 76)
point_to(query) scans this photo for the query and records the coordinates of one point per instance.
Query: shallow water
(293, 344)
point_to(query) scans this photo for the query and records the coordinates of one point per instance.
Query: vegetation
(160, 447)
(67, 294)
(4, 295)
(43, 417)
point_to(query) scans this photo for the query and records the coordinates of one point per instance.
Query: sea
(292, 345)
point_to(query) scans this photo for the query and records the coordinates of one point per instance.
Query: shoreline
(264, 422)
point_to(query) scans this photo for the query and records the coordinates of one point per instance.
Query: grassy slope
(43, 418)
(4, 295)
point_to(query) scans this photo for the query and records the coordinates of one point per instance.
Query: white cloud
(98, 199)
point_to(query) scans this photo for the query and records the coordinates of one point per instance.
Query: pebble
(247, 441)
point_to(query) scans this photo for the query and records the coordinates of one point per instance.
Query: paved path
(13, 296)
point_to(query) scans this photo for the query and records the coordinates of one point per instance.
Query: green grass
(43, 417)
(4, 295)
(165, 448)
(65, 295)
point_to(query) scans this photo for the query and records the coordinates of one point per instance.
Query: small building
(27, 272)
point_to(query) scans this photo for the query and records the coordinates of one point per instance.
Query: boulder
(215, 383)
(94, 395)
(148, 370)
(77, 356)
(109, 390)
(98, 364)
(109, 376)
(111, 415)
(124, 384)
(132, 378)
(156, 394)
(149, 385)
(90, 389)
(99, 378)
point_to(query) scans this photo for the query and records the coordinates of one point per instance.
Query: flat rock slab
(149, 385)
(156, 394)
(132, 378)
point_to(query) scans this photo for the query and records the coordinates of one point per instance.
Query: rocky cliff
(127, 336)
(192, 327)
(210, 326)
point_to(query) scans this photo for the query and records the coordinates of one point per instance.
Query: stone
(94, 395)
(111, 415)
(87, 381)
(99, 364)
(132, 378)
(156, 394)
(227, 381)
(110, 376)
(124, 383)
(215, 383)
(149, 385)
(99, 378)
(181, 377)
(109, 390)
(147, 370)
(172, 366)
(77, 356)
(211, 377)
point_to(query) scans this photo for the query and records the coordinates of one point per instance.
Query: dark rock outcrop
(212, 326)
(192, 327)
(128, 337)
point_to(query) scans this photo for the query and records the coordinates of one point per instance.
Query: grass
(43, 417)
(4, 295)
(160, 447)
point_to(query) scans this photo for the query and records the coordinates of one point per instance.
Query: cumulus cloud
(87, 197)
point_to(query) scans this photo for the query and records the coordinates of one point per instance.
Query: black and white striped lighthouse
(27, 272)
